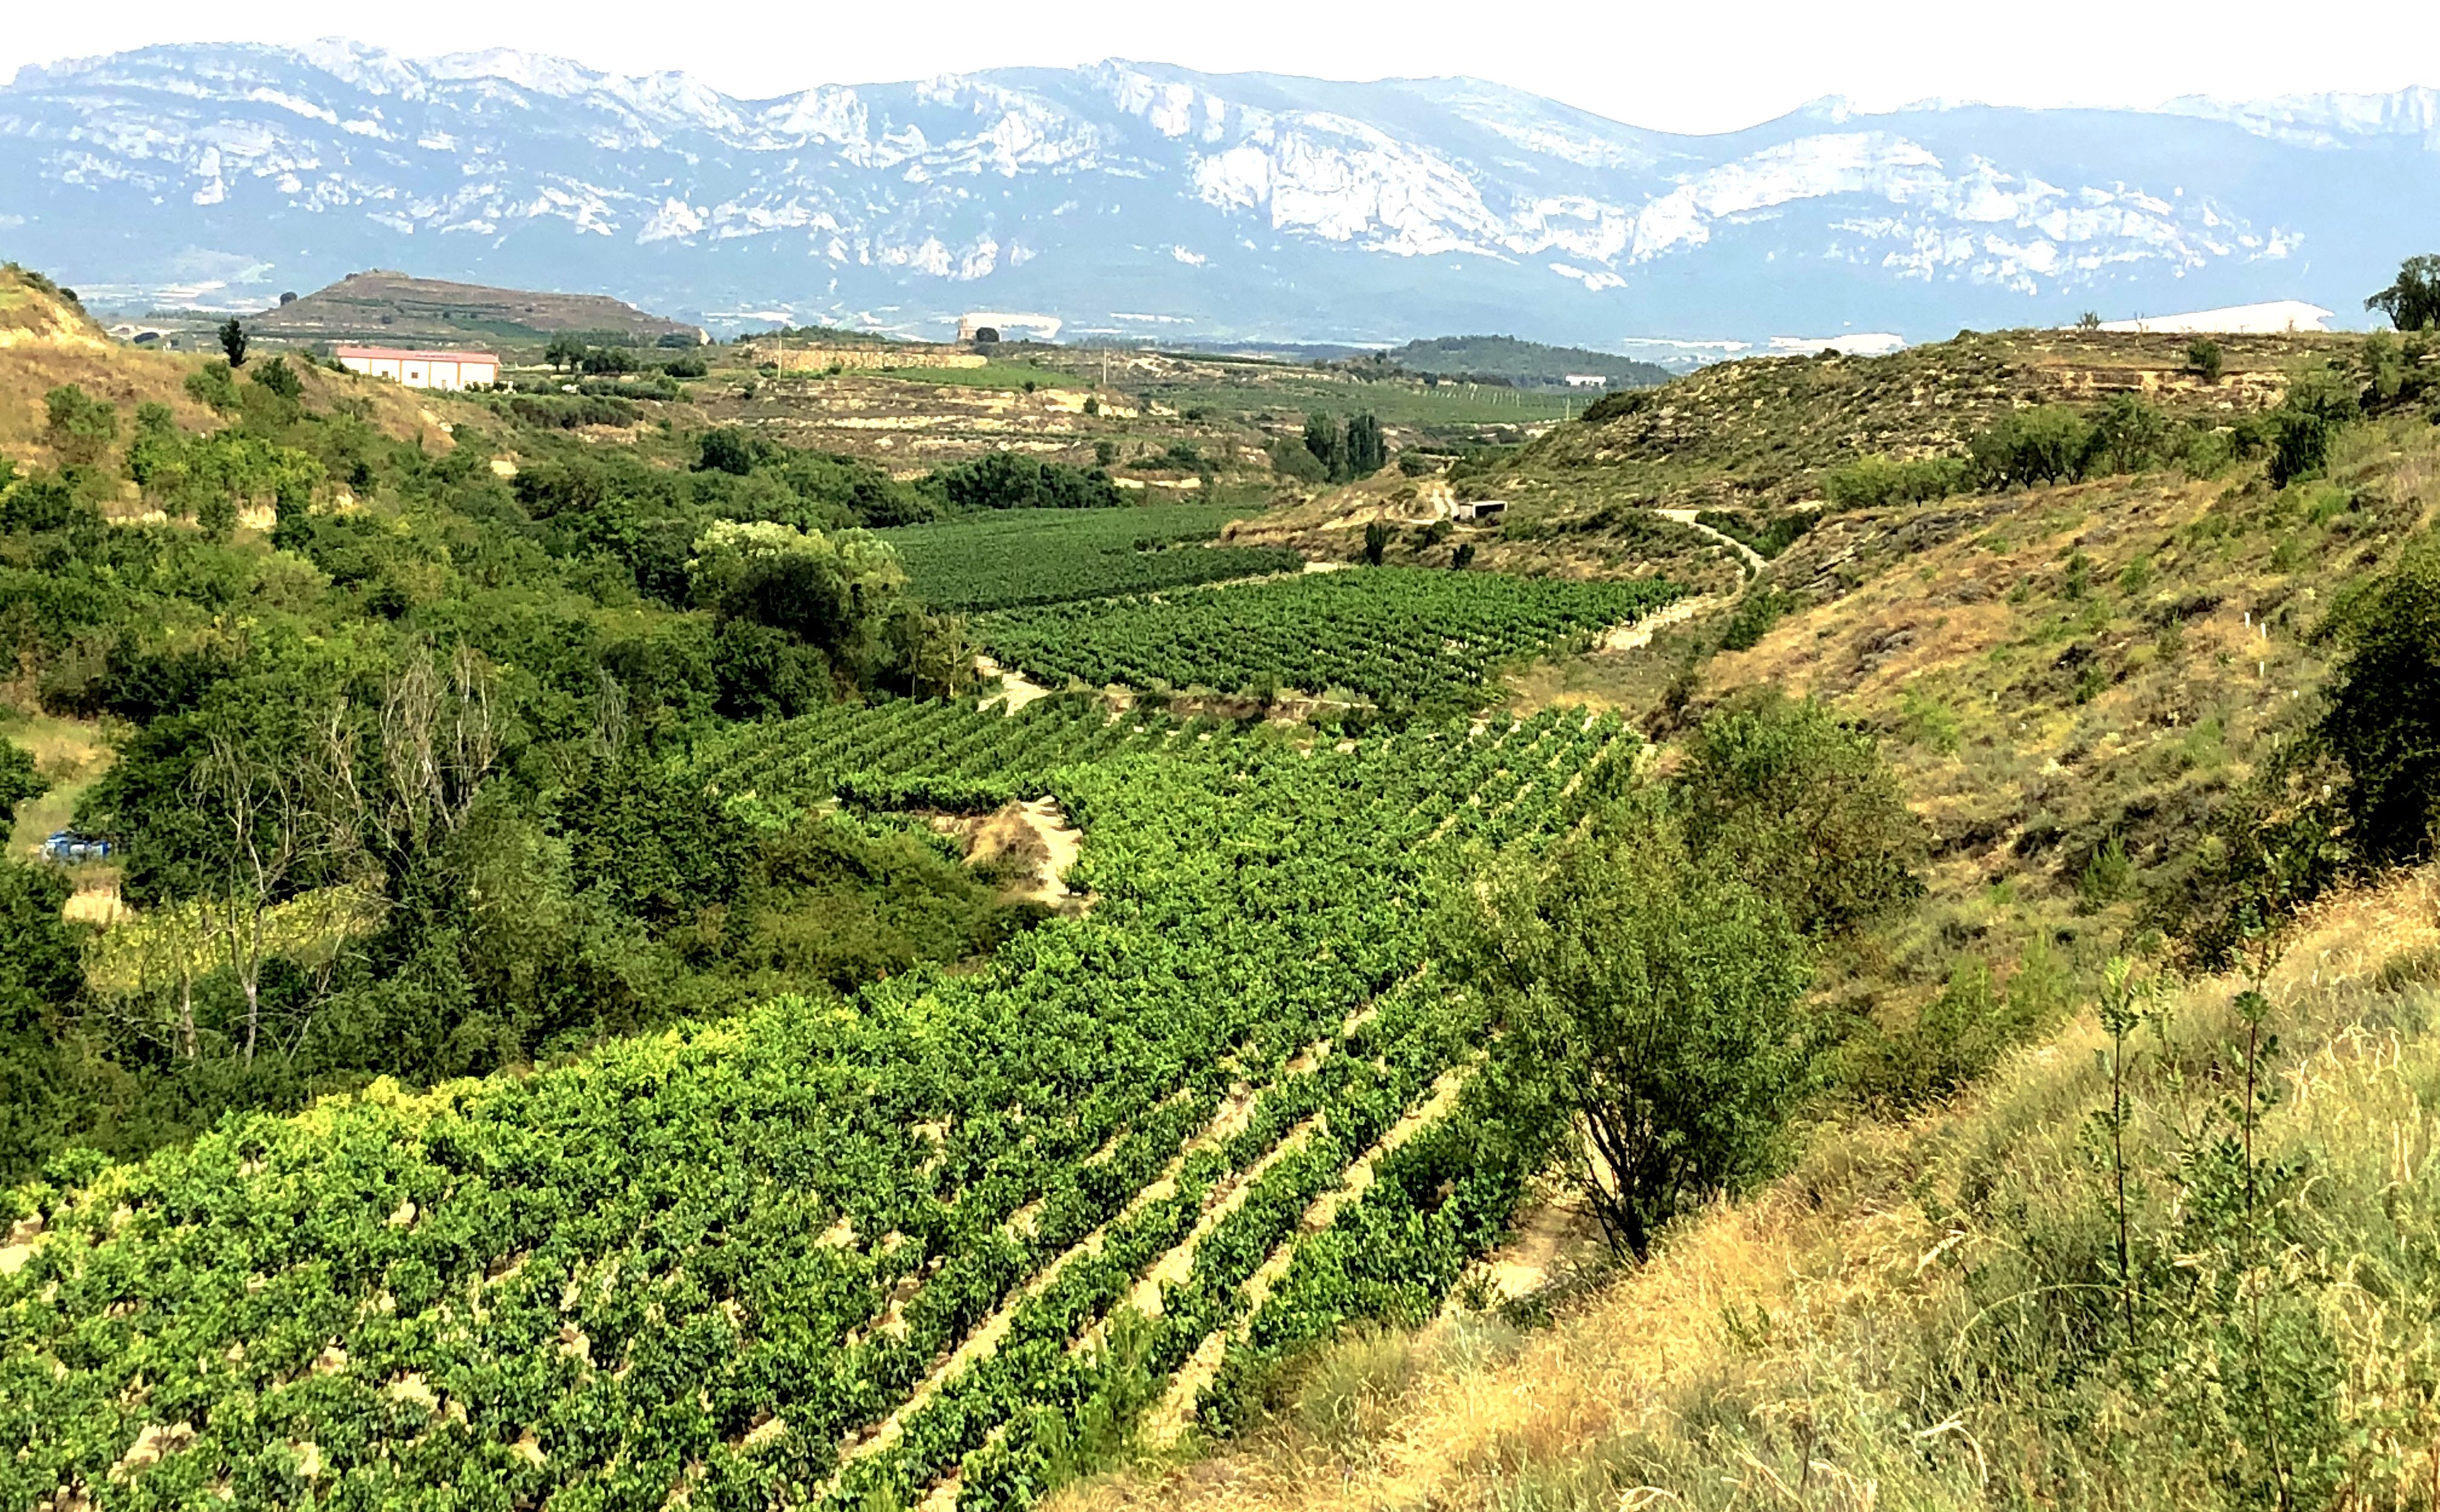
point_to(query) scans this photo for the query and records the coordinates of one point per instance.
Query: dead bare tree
(266, 828)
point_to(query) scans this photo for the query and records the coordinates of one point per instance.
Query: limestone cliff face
(1146, 200)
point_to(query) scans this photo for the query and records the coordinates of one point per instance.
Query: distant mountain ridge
(1155, 202)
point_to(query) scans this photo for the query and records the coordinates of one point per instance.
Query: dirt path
(1037, 830)
(1015, 689)
(1636, 635)
(1753, 559)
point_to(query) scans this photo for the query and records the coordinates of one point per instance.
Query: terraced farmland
(834, 1251)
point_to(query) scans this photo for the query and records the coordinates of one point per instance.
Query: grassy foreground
(1930, 1313)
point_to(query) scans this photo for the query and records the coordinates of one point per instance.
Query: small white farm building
(420, 369)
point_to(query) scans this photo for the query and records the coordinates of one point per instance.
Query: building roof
(397, 353)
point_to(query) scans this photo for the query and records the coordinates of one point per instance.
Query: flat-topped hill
(385, 306)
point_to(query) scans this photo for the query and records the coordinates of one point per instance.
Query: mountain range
(1149, 201)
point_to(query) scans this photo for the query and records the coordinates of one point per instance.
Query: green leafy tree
(2203, 359)
(1367, 452)
(214, 386)
(19, 781)
(1294, 458)
(1646, 1006)
(1802, 808)
(2048, 443)
(82, 427)
(276, 376)
(1376, 542)
(233, 341)
(2384, 716)
(725, 449)
(2412, 302)
(2128, 436)
(1327, 444)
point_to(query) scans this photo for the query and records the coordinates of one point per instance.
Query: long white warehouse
(422, 369)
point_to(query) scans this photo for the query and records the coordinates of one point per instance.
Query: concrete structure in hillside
(422, 369)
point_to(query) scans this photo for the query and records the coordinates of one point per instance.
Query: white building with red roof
(422, 369)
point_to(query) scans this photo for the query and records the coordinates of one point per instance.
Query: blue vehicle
(68, 848)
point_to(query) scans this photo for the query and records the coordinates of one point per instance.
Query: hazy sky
(1684, 65)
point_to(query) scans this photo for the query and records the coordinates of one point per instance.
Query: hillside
(2096, 696)
(1923, 1313)
(47, 342)
(395, 308)
(1526, 362)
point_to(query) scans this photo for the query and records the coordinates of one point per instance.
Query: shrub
(276, 376)
(2045, 444)
(2203, 359)
(2384, 716)
(1780, 793)
(1756, 612)
(215, 387)
(1376, 540)
(687, 367)
(1877, 481)
(1291, 458)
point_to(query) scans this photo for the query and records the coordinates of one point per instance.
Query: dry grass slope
(1827, 1344)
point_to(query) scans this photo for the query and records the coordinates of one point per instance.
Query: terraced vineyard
(1390, 634)
(833, 1253)
(1016, 558)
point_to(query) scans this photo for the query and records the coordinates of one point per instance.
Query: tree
(1376, 540)
(19, 781)
(2045, 444)
(986, 335)
(233, 341)
(2383, 720)
(1644, 1012)
(1802, 808)
(725, 449)
(2203, 359)
(278, 378)
(1367, 453)
(1327, 445)
(2089, 320)
(563, 352)
(2412, 302)
(82, 427)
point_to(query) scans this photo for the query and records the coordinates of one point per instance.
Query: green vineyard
(1390, 634)
(840, 1253)
(1014, 559)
